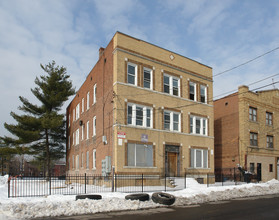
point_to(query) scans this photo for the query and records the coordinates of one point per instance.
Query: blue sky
(219, 33)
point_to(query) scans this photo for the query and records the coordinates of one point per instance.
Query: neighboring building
(4, 165)
(246, 132)
(142, 109)
(59, 168)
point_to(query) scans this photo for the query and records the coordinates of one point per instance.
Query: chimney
(101, 51)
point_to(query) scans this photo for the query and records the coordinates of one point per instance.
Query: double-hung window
(140, 155)
(269, 141)
(252, 114)
(132, 73)
(77, 162)
(82, 160)
(69, 120)
(77, 136)
(77, 112)
(87, 160)
(268, 118)
(73, 162)
(74, 138)
(198, 125)
(171, 85)
(94, 159)
(87, 100)
(171, 121)
(94, 126)
(87, 130)
(253, 139)
(147, 78)
(199, 158)
(203, 94)
(192, 91)
(82, 132)
(82, 105)
(94, 94)
(139, 115)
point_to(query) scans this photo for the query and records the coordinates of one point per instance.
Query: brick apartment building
(246, 132)
(142, 109)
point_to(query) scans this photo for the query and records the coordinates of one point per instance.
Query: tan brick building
(246, 132)
(142, 109)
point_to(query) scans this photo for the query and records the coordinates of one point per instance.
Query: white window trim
(94, 94)
(205, 91)
(77, 111)
(87, 100)
(82, 132)
(144, 124)
(69, 119)
(171, 120)
(94, 160)
(74, 114)
(77, 136)
(87, 130)
(73, 143)
(94, 126)
(171, 84)
(77, 162)
(136, 73)
(194, 117)
(87, 160)
(202, 159)
(195, 90)
(151, 78)
(82, 105)
(135, 158)
(73, 162)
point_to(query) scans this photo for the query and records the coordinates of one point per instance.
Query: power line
(249, 61)
(247, 85)
(197, 103)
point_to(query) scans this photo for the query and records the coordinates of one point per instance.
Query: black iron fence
(85, 184)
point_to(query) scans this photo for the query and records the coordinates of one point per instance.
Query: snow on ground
(57, 205)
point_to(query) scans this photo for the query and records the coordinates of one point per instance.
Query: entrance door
(259, 171)
(172, 164)
(277, 168)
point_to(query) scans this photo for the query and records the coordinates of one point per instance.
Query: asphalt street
(264, 207)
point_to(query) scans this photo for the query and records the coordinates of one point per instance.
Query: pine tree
(41, 129)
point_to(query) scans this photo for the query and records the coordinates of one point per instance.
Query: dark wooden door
(172, 164)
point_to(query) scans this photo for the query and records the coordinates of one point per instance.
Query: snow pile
(57, 205)
(3, 180)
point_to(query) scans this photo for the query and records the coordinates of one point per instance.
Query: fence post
(222, 179)
(9, 187)
(50, 184)
(208, 180)
(112, 179)
(165, 182)
(142, 182)
(185, 180)
(115, 177)
(85, 183)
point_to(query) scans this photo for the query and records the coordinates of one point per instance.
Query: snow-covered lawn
(56, 205)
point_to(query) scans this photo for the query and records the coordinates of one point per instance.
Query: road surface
(254, 208)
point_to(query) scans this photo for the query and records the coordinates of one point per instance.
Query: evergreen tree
(41, 129)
